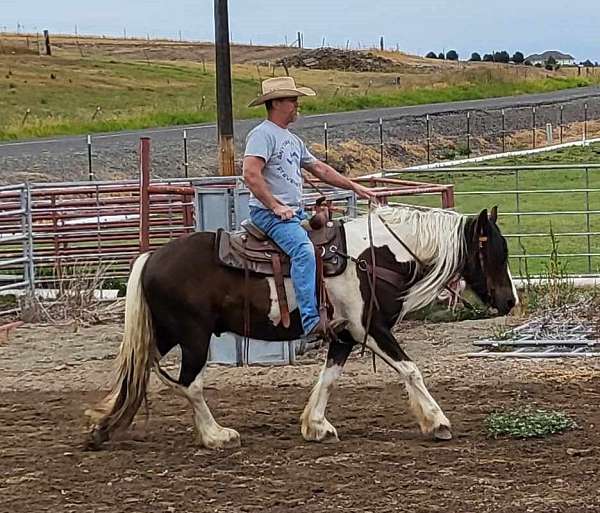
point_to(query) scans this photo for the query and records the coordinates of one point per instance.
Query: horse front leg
(430, 416)
(314, 426)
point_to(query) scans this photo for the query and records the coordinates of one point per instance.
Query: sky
(414, 26)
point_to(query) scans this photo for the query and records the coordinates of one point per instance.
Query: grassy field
(470, 198)
(45, 96)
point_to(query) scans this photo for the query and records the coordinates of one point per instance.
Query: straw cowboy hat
(280, 87)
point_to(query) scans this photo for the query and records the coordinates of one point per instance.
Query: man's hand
(284, 212)
(365, 193)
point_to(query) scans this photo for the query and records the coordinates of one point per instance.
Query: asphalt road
(115, 154)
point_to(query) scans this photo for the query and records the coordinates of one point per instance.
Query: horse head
(486, 268)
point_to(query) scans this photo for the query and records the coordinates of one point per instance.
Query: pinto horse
(180, 294)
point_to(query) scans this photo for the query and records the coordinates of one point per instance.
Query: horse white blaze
(315, 427)
(429, 414)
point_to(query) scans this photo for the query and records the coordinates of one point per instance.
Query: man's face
(288, 108)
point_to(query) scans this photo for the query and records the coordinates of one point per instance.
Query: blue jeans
(293, 239)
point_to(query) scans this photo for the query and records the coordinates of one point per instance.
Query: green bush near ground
(527, 423)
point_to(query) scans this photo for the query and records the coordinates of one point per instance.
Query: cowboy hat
(280, 87)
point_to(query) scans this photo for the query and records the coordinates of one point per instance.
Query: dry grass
(77, 298)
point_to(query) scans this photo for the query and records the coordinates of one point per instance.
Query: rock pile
(344, 60)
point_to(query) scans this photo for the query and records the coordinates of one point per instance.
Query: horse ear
(483, 222)
(494, 214)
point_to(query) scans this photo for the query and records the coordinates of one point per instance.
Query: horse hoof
(95, 440)
(225, 438)
(442, 433)
(322, 432)
(330, 438)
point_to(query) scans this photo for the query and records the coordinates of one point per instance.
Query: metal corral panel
(226, 208)
(230, 350)
(213, 209)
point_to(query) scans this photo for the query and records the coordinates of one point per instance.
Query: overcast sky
(416, 26)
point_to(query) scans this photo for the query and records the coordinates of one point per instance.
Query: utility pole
(224, 103)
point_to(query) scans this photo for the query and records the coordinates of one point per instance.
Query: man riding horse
(273, 160)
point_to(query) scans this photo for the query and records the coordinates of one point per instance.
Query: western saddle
(252, 251)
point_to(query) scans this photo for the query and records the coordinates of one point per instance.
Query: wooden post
(224, 103)
(47, 41)
(381, 47)
(144, 194)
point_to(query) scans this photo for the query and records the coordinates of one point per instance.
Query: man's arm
(252, 169)
(329, 175)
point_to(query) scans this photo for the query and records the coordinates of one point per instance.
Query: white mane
(435, 236)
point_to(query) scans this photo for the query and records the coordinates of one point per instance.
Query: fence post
(533, 125)
(381, 144)
(185, 153)
(47, 43)
(518, 205)
(585, 121)
(587, 218)
(144, 194)
(27, 226)
(503, 132)
(89, 151)
(561, 124)
(428, 139)
(326, 141)
(468, 134)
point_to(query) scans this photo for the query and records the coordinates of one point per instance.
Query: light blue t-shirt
(284, 154)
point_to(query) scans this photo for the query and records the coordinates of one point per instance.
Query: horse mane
(436, 237)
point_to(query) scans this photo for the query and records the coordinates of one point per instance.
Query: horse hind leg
(194, 353)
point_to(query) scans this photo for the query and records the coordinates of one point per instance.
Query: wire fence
(368, 146)
(546, 211)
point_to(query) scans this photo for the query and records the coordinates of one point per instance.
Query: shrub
(452, 55)
(527, 423)
(518, 58)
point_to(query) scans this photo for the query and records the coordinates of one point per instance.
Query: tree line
(504, 57)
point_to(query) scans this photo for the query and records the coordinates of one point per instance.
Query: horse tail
(133, 364)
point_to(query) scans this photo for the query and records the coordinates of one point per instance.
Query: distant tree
(488, 57)
(550, 63)
(538, 64)
(431, 55)
(528, 63)
(502, 56)
(441, 56)
(518, 58)
(475, 57)
(452, 55)
(588, 64)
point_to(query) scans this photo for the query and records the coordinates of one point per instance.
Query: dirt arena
(49, 375)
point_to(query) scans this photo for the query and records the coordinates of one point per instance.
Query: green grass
(468, 184)
(424, 95)
(63, 94)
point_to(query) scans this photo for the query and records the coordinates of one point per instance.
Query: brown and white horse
(180, 295)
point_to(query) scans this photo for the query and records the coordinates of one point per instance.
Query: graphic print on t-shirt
(288, 161)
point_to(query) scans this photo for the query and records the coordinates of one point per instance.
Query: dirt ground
(50, 374)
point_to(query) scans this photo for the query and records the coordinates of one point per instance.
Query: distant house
(564, 59)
